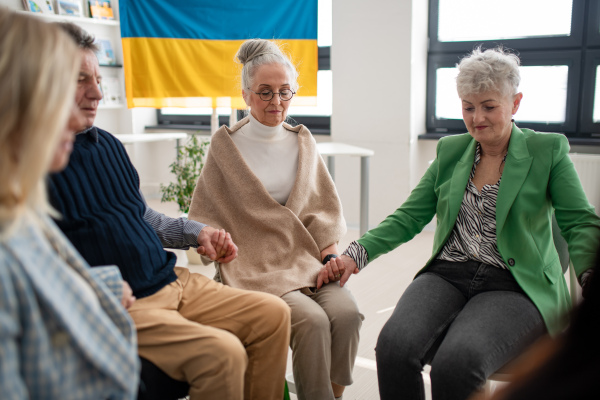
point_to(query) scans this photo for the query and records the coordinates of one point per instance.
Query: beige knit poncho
(279, 245)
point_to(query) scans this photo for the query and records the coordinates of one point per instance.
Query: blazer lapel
(518, 163)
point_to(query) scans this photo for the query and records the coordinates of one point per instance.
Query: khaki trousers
(226, 343)
(324, 341)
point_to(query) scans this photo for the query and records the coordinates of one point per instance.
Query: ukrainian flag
(180, 53)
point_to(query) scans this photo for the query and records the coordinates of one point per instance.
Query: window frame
(587, 105)
(593, 35)
(571, 58)
(580, 52)
(558, 42)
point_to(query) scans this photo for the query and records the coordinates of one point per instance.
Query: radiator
(588, 169)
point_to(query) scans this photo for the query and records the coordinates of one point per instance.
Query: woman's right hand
(339, 268)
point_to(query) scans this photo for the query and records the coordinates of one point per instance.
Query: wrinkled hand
(337, 269)
(217, 245)
(128, 298)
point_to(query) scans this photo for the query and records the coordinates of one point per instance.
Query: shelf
(130, 138)
(82, 20)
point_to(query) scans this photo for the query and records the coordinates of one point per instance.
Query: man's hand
(217, 245)
(128, 298)
(337, 269)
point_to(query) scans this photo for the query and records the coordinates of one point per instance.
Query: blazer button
(511, 262)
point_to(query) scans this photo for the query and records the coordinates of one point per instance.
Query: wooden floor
(376, 289)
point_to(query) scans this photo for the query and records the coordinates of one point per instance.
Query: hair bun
(253, 48)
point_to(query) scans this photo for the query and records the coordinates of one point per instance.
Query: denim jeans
(465, 319)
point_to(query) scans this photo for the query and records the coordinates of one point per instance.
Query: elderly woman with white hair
(265, 183)
(494, 282)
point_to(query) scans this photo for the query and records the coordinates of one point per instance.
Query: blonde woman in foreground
(64, 332)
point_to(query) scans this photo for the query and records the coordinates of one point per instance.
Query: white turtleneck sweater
(271, 152)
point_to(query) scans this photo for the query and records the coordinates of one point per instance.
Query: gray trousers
(465, 319)
(324, 340)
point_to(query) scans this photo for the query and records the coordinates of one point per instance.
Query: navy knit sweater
(103, 213)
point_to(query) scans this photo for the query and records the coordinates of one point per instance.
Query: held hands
(337, 269)
(217, 245)
(128, 298)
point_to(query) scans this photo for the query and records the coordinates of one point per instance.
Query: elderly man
(226, 343)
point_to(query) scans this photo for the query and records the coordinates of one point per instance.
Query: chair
(156, 385)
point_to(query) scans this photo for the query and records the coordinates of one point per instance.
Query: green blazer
(538, 177)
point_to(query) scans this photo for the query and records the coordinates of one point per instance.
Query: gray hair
(256, 52)
(81, 38)
(494, 70)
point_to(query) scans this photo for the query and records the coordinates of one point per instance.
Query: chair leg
(289, 378)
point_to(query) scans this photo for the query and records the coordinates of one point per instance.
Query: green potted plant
(187, 168)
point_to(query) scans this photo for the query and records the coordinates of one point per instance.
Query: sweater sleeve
(174, 233)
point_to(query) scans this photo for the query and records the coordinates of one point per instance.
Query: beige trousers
(324, 341)
(226, 343)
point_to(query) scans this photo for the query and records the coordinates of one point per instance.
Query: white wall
(379, 59)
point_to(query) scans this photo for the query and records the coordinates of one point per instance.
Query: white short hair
(492, 70)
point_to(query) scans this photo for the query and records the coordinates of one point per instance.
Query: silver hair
(256, 52)
(492, 70)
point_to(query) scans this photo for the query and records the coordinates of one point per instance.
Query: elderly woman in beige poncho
(265, 183)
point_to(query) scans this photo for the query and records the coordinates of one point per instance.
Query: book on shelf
(72, 8)
(106, 54)
(101, 9)
(39, 6)
(111, 91)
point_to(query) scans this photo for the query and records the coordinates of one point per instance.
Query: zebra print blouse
(474, 233)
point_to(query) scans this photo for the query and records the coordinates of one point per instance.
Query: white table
(153, 137)
(332, 149)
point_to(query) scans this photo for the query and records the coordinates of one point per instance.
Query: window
(316, 118)
(560, 60)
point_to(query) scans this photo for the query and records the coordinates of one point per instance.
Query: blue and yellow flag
(180, 53)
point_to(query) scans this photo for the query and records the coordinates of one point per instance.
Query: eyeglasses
(267, 95)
